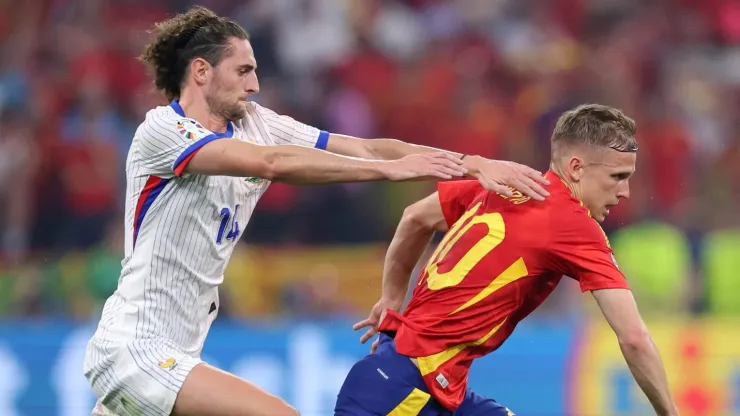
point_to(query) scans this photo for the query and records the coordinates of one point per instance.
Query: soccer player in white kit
(195, 171)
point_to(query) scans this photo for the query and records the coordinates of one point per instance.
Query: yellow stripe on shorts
(412, 404)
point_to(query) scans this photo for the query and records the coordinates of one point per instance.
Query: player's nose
(253, 83)
(624, 190)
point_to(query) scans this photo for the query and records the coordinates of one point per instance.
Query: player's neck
(572, 187)
(198, 110)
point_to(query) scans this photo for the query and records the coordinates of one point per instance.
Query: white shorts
(142, 377)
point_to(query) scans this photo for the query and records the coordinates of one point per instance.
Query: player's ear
(575, 168)
(200, 69)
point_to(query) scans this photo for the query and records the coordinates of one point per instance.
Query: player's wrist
(473, 164)
(380, 169)
(392, 302)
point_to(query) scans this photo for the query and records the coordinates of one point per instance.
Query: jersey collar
(175, 105)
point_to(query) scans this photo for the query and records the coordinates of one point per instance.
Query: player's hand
(374, 346)
(373, 321)
(498, 176)
(424, 166)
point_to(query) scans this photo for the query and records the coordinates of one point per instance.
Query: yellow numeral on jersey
(494, 236)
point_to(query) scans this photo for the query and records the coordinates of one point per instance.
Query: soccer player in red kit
(500, 258)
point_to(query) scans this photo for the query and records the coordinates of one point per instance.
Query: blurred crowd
(485, 77)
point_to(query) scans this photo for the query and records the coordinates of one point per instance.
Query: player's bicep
(620, 310)
(166, 146)
(228, 158)
(426, 214)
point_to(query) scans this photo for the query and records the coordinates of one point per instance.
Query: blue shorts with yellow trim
(389, 384)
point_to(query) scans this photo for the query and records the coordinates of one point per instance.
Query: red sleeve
(456, 196)
(583, 251)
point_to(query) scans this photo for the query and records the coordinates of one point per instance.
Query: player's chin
(600, 217)
(238, 112)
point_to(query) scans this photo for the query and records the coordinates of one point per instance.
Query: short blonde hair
(595, 125)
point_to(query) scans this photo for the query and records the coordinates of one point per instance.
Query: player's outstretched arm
(303, 166)
(641, 354)
(414, 231)
(417, 226)
(494, 175)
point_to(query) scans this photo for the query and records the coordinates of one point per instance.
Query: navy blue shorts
(388, 383)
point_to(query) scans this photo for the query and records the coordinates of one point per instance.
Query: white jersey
(181, 229)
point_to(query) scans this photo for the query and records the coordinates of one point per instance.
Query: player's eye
(621, 176)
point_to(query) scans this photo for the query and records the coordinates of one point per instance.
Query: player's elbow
(637, 339)
(416, 219)
(270, 166)
(270, 172)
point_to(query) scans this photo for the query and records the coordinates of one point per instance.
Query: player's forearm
(391, 149)
(404, 252)
(288, 163)
(646, 366)
(299, 165)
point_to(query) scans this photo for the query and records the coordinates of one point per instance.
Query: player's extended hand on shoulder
(499, 175)
(423, 166)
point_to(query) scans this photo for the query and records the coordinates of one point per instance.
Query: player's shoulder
(163, 121)
(163, 113)
(574, 224)
(460, 192)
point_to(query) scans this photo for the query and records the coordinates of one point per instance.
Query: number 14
(234, 232)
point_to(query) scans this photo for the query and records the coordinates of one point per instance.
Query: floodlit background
(484, 77)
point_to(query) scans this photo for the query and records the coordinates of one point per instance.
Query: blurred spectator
(18, 159)
(484, 77)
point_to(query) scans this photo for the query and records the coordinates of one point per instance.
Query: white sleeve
(166, 143)
(286, 130)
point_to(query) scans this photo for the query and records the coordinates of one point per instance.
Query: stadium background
(477, 76)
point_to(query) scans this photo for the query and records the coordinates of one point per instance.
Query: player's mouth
(608, 207)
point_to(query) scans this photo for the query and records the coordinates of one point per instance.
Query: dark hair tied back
(198, 33)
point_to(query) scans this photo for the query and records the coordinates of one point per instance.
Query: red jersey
(500, 259)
